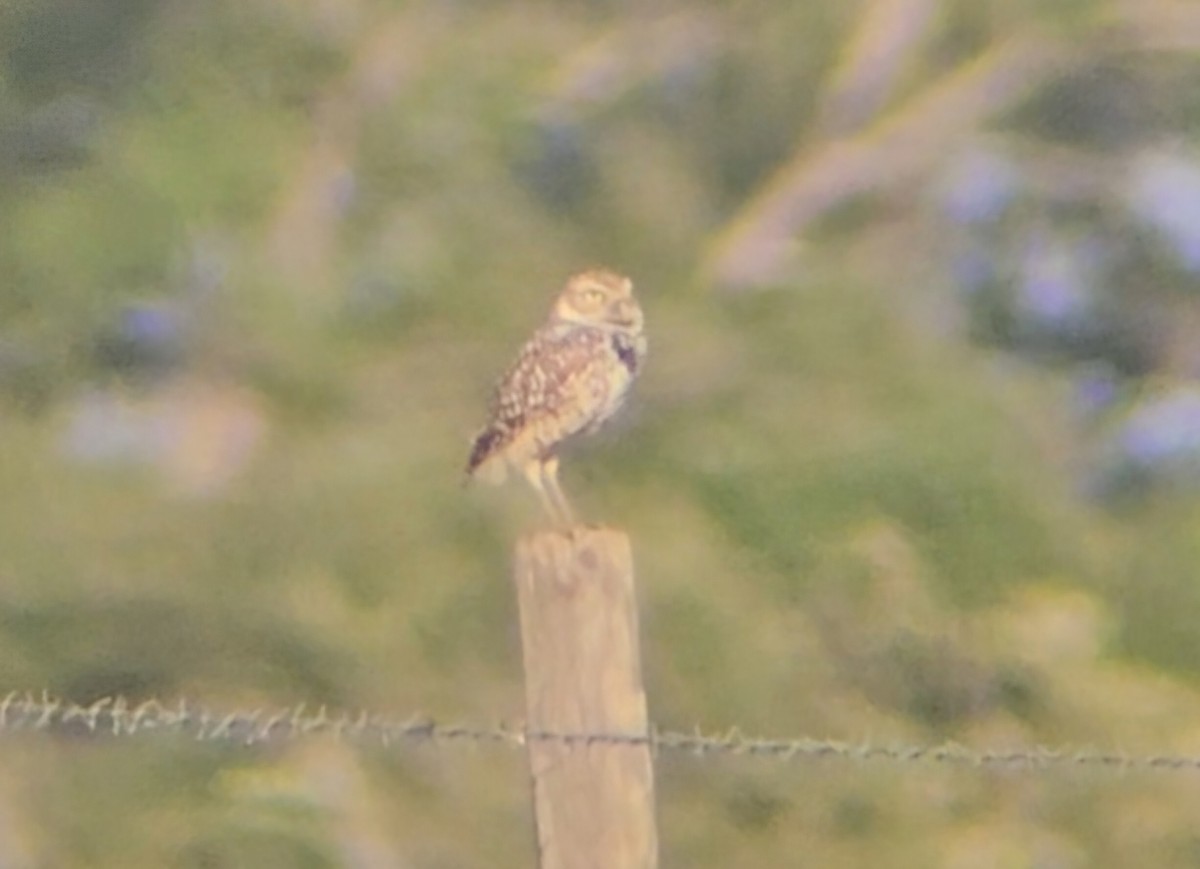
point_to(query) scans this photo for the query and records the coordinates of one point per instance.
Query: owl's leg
(550, 481)
(533, 473)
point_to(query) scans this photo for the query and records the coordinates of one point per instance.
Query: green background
(852, 518)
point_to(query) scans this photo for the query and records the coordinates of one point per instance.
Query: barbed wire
(118, 717)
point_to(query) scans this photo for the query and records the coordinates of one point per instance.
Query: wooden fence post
(593, 803)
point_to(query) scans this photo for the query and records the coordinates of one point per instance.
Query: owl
(568, 379)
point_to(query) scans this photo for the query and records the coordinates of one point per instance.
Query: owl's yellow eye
(593, 297)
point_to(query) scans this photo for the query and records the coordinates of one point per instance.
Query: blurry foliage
(916, 457)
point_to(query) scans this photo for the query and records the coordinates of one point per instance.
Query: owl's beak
(623, 313)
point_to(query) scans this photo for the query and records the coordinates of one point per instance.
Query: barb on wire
(118, 717)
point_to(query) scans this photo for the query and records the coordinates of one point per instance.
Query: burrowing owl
(570, 377)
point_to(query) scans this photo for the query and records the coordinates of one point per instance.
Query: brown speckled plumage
(571, 376)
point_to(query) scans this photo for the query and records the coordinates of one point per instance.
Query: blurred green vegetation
(259, 263)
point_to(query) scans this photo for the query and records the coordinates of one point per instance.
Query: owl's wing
(553, 390)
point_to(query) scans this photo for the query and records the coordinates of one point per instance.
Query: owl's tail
(485, 462)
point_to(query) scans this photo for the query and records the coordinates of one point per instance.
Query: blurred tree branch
(757, 243)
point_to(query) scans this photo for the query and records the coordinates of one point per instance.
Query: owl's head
(599, 298)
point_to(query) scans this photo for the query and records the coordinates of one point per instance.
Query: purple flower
(1164, 192)
(1163, 434)
(151, 325)
(1055, 282)
(978, 187)
(1095, 390)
